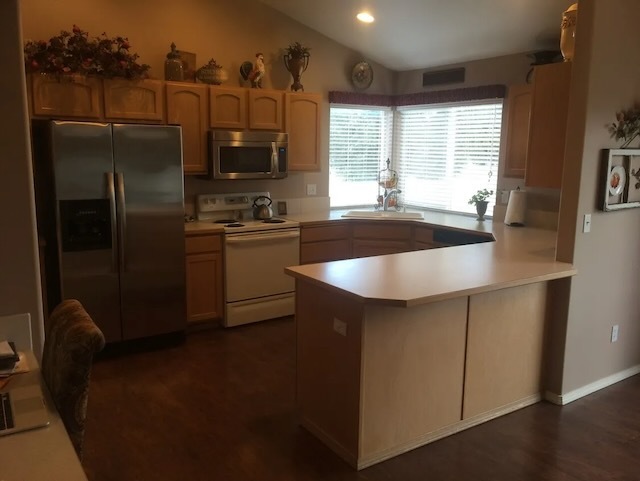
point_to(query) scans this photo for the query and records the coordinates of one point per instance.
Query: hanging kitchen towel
(516, 208)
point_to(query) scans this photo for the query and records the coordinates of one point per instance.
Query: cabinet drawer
(379, 230)
(368, 248)
(323, 233)
(326, 251)
(202, 243)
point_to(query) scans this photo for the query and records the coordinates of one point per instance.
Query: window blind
(360, 143)
(445, 153)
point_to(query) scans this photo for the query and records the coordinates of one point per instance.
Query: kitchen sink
(381, 214)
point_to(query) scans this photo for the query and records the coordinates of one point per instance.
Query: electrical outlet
(340, 326)
(311, 189)
(586, 223)
(614, 333)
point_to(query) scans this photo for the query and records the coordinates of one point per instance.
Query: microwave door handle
(274, 159)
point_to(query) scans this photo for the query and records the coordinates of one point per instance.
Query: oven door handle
(248, 239)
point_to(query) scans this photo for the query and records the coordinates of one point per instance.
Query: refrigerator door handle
(122, 215)
(111, 193)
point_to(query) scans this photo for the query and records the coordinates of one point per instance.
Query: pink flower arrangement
(75, 53)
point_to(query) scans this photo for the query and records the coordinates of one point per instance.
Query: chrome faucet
(387, 196)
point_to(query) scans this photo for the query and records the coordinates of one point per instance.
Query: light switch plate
(340, 326)
(586, 223)
(311, 189)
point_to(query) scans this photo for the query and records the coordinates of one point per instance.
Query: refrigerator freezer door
(149, 191)
(82, 161)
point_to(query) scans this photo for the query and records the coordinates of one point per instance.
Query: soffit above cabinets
(415, 34)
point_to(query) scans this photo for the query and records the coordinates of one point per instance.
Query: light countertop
(443, 219)
(519, 256)
(198, 227)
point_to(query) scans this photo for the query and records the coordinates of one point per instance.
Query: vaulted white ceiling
(413, 34)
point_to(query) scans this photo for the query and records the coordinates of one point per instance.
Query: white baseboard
(562, 399)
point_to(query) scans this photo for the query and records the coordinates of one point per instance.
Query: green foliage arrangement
(627, 127)
(297, 50)
(480, 196)
(76, 53)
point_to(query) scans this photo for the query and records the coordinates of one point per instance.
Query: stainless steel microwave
(247, 155)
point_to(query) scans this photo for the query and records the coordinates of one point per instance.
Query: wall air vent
(443, 77)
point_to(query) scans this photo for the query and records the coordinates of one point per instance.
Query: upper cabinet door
(548, 125)
(302, 119)
(74, 96)
(187, 105)
(228, 108)
(519, 108)
(265, 109)
(134, 99)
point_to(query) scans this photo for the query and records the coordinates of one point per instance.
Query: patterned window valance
(355, 98)
(419, 98)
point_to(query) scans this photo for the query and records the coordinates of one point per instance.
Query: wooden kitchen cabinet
(302, 123)
(240, 108)
(134, 100)
(228, 107)
(519, 108)
(265, 109)
(548, 124)
(377, 238)
(505, 349)
(187, 106)
(325, 243)
(204, 277)
(66, 96)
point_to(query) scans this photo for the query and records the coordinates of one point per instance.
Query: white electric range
(255, 255)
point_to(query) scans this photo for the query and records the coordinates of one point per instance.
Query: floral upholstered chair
(71, 339)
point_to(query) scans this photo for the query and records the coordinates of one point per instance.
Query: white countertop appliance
(255, 255)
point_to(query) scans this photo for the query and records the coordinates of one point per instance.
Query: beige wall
(605, 80)
(507, 70)
(229, 31)
(605, 291)
(19, 274)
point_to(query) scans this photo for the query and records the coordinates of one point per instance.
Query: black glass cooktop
(273, 221)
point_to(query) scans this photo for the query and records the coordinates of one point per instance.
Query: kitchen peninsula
(399, 350)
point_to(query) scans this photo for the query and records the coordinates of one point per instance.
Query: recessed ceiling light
(365, 17)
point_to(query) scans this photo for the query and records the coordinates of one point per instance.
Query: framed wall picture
(620, 179)
(189, 65)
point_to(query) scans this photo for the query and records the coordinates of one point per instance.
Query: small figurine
(256, 73)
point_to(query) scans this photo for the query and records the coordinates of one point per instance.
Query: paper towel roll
(516, 208)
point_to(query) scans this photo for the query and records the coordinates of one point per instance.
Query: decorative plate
(617, 179)
(362, 75)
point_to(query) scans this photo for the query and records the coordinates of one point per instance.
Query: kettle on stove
(262, 211)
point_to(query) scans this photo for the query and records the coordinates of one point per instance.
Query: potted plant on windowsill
(481, 202)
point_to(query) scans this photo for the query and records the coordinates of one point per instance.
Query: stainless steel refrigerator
(111, 214)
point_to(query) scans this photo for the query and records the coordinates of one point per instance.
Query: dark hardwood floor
(220, 406)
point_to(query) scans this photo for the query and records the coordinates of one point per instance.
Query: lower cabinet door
(368, 248)
(204, 286)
